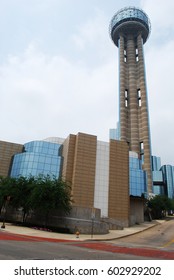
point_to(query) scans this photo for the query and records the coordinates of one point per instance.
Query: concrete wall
(82, 219)
(83, 180)
(79, 153)
(136, 211)
(119, 201)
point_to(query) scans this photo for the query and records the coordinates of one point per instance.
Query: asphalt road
(154, 243)
(24, 250)
(158, 237)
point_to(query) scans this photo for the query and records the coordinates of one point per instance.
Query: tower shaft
(134, 118)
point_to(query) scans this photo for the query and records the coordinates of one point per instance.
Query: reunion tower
(129, 30)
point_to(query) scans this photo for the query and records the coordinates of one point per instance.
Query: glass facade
(137, 176)
(130, 13)
(114, 133)
(158, 190)
(163, 178)
(157, 177)
(158, 184)
(38, 158)
(156, 163)
(168, 177)
(129, 20)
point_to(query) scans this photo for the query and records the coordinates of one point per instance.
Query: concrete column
(122, 84)
(132, 91)
(144, 114)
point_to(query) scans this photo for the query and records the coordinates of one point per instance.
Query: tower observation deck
(129, 29)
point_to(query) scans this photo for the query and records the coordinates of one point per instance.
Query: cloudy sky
(59, 70)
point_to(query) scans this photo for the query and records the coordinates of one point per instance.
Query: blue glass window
(137, 177)
(39, 157)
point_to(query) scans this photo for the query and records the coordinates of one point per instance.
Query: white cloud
(91, 40)
(161, 16)
(162, 11)
(51, 96)
(160, 84)
(159, 61)
(91, 31)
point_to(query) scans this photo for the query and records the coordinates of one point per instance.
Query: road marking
(168, 243)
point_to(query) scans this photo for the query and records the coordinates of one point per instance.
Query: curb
(87, 239)
(126, 235)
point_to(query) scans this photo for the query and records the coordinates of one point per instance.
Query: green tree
(21, 194)
(159, 205)
(19, 190)
(41, 193)
(49, 194)
(6, 184)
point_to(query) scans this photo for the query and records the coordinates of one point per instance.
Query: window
(139, 97)
(125, 55)
(126, 97)
(142, 151)
(141, 147)
(136, 55)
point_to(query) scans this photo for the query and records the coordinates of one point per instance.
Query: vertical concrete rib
(133, 105)
(144, 114)
(122, 85)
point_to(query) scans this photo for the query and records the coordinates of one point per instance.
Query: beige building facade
(99, 175)
(7, 151)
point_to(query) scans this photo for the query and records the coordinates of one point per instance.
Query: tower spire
(129, 29)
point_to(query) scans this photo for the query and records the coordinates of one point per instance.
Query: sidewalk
(113, 234)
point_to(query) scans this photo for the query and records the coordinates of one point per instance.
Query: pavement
(113, 234)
